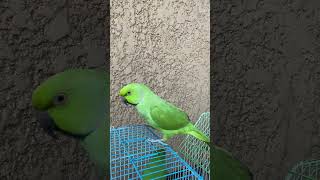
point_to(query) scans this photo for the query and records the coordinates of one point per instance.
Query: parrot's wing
(226, 167)
(169, 117)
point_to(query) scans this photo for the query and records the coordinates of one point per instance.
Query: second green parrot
(74, 102)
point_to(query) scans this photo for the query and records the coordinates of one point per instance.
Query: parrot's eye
(128, 93)
(59, 99)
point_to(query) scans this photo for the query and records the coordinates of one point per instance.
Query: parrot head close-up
(73, 102)
(133, 93)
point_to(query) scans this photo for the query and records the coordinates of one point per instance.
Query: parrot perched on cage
(74, 102)
(170, 121)
(160, 114)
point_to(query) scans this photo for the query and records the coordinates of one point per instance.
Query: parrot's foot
(149, 126)
(154, 140)
(161, 141)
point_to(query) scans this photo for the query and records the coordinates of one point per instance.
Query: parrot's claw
(161, 141)
(153, 140)
(149, 126)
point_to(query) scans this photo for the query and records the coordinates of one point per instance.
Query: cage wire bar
(134, 157)
(305, 170)
(195, 152)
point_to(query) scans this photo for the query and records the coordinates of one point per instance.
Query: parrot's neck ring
(76, 136)
(48, 124)
(132, 104)
(125, 101)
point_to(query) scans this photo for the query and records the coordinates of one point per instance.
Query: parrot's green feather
(96, 145)
(226, 167)
(168, 117)
(197, 133)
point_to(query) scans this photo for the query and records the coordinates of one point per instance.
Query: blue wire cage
(134, 156)
(195, 152)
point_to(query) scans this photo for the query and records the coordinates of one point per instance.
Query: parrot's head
(133, 93)
(73, 102)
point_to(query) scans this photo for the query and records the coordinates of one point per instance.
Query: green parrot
(74, 102)
(170, 121)
(160, 114)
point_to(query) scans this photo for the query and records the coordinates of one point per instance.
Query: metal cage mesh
(305, 170)
(195, 152)
(133, 156)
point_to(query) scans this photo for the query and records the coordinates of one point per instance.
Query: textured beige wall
(164, 44)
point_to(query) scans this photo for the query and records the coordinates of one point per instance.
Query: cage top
(137, 153)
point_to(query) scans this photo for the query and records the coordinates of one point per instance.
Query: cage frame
(132, 159)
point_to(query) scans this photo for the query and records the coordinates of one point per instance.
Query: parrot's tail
(198, 134)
